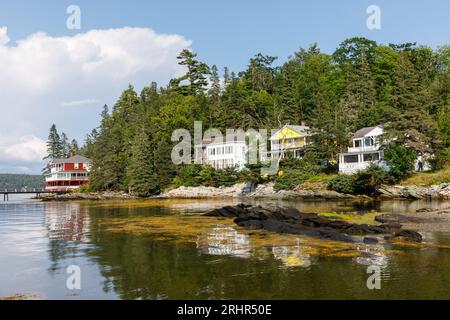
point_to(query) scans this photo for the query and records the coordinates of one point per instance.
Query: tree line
(21, 182)
(404, 87)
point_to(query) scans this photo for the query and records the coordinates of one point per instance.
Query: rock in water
(408, 235)
(290, 220)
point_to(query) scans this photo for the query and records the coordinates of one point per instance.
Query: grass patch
(429, 178)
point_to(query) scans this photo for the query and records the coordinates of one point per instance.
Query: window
(357, 143)
(351, 158)
(368, 142)
(369, 157)
(76, 166)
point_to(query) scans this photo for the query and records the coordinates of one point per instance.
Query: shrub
(343, 184)
(194, 175)
(369, 180)
(400, 161)
(251, 173)
(290, 179)
(363, 182)
(299, 164)
(86, 188)
(441, 159)
(188, 176)
(294, 173)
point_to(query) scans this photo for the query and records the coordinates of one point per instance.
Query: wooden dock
(37, 192)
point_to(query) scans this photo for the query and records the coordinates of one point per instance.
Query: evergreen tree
(141, 173)
(196, 74)
(65, 146)
(74, 147)
(412, 126)
(164, 168)
(54, 146)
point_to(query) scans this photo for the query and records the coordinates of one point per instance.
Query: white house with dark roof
(365, 150)
(231, 153)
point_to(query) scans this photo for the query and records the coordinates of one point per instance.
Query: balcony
(375, 147)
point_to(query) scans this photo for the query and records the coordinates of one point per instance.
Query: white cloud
(42, 75)
(79, 103)
(27, 149)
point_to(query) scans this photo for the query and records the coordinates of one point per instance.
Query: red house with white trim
(67, 174)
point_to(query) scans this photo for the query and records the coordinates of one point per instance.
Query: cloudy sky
(51, 74)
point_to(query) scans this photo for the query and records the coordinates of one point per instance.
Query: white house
(222, 155)
(365, 150)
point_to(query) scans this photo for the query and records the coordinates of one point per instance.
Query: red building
(67, 174)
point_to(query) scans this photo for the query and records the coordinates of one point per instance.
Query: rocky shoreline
(267, 191)
(98, 196)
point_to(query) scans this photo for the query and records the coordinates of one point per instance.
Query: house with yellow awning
(290, 141)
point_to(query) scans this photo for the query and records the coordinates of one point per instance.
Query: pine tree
(54, 146)
(196, 74)
(359, 96)
(164, 168)
(140, 170)
(214, 94)
(412, 127)
(65, 145)
(74, 147)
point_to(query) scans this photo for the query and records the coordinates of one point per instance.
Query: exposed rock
(290, 220)
(436, 211)
(397, 219)
(441, 191)
(268, 191)
(205, 192)
(407, 235)
(369, 240)
(73, 196)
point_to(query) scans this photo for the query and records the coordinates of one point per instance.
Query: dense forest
(404, 87)
(21, 182)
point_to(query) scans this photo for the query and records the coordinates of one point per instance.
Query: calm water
(38, 241)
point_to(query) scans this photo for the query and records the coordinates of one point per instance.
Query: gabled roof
(361, 133)
(303, 130)
(74, 159)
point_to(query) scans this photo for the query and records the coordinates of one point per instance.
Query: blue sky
(229, 32)
(51, 74)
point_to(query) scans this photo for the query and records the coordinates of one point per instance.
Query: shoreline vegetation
(422, 185)
(402, 87)
(266, 191)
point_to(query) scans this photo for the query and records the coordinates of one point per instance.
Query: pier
(37, 192)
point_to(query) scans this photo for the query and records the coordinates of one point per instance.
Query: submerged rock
(290, 220)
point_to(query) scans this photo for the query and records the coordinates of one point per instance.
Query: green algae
(353, 217)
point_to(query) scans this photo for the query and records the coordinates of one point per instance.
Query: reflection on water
(66, 222)
(292, 256)
(373, 256)
(152, 250)
(222, 241)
